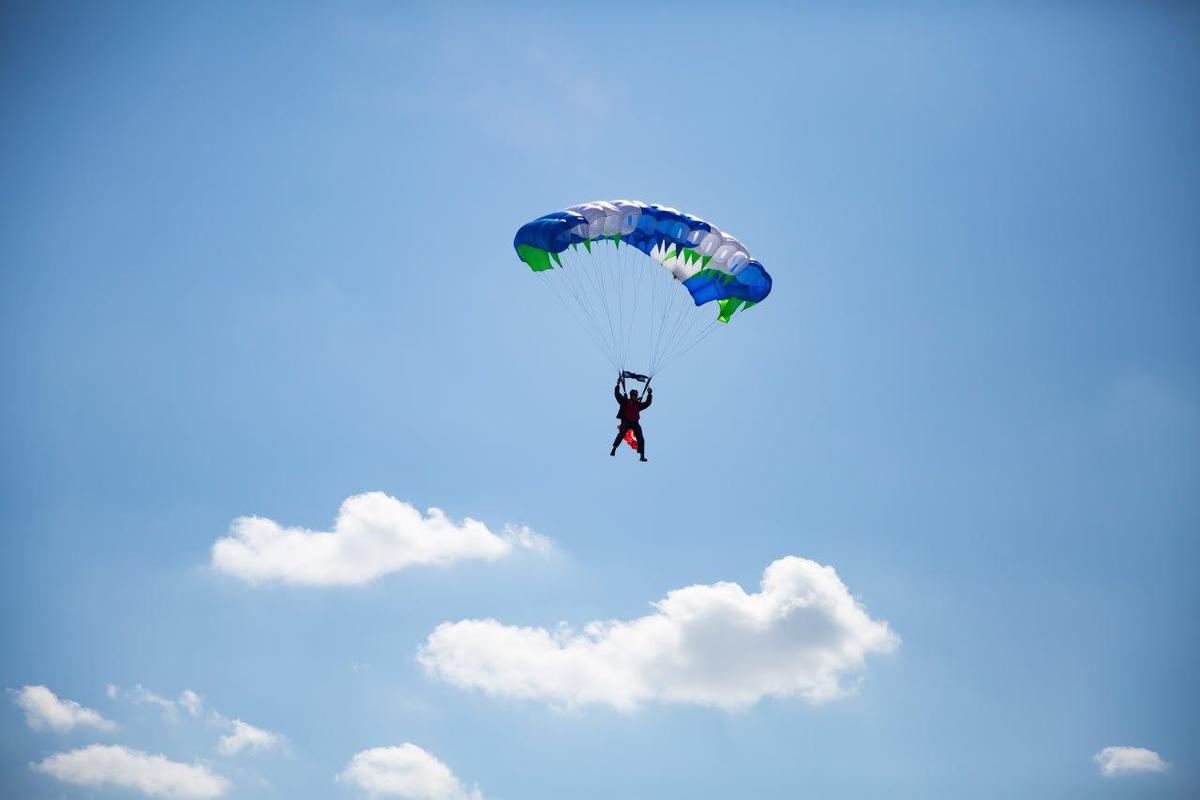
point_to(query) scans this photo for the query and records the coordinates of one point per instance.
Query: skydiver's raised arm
(617, 391)
(649, 397)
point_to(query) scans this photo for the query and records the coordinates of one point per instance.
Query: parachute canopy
(580, 249)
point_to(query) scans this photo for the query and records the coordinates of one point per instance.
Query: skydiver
(631, 408)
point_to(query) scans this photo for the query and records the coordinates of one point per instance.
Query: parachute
(639, 277)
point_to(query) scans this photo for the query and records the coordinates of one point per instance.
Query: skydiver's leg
(641, 439)
(620, 435)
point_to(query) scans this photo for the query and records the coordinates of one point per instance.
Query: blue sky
(256, 261)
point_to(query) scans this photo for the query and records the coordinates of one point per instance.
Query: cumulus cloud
(44, 709)
(374, 534)
(1115, 761)
(247, 737)
(407, 772)
(114, 765)
(800, 635)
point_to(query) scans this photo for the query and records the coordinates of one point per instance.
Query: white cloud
(712, 645)
(191, 701)
(242, 736)
(407, 772)
(170, 708)
(1127, 761)
(113, 765)
(247, 737)
(374, 534)
(44, 709)
(526, 537)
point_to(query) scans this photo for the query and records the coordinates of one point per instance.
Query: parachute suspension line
(636, 262)
(652, 310)
(684, 312)
(619, 266)
(657, 302)
(581, 273)
(575, 275)
(700, 337)
(695, 330)
(637, 293)
(591, 308)
(668, 308)
(591, 289)
(671, 308)
(596, 270)
(651, 305)
(605, 280)
(599, 344)
(578, 290)
(667, 337)
(671, 322)
(620, 304)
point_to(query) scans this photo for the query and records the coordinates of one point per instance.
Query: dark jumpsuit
(629, 414)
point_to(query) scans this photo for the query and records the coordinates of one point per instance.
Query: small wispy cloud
(374, 535)
(190, 701)
(1118, 760)
(44, 709)
(246, 737)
